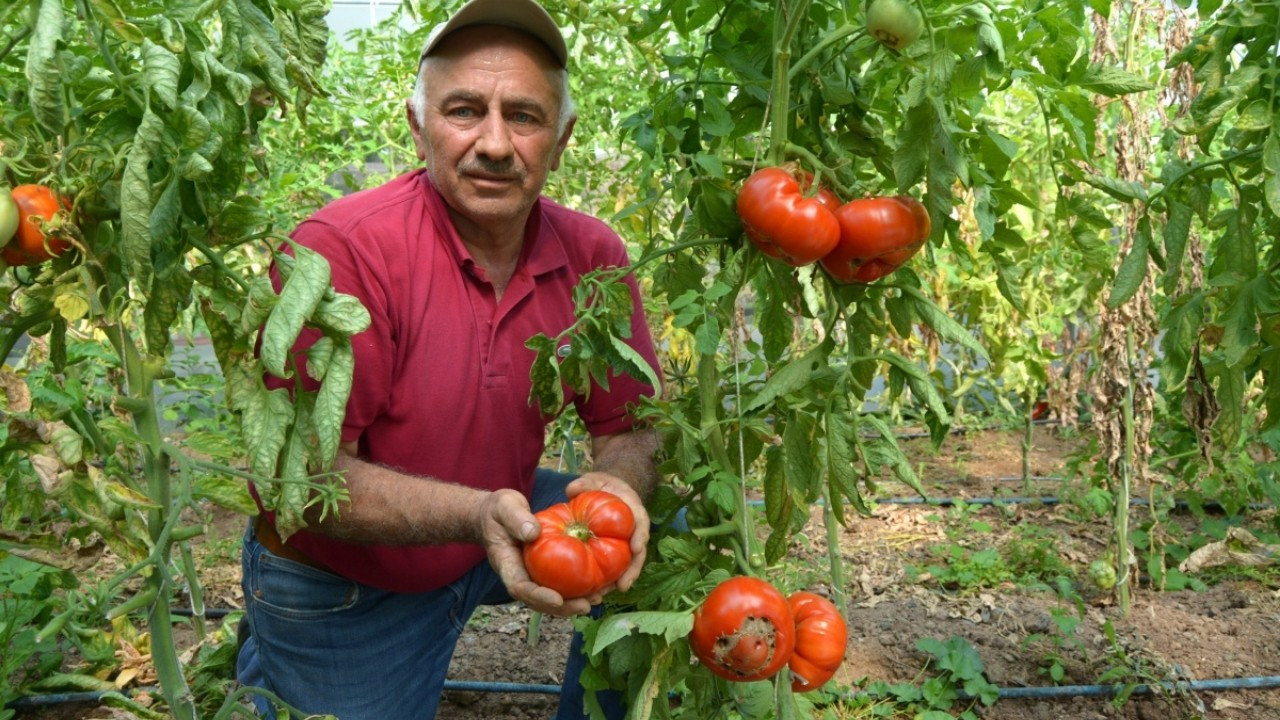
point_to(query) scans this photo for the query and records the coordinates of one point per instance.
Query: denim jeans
(326, 644)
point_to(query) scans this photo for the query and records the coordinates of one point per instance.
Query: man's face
(489, 132)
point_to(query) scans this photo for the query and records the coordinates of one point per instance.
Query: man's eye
(523, 118)
(462, 112)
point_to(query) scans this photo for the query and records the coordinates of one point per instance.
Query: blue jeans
(326, 644)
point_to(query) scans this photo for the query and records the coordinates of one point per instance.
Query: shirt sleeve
(353, 273)
(611, 412)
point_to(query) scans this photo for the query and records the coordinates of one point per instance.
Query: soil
(1229, 630)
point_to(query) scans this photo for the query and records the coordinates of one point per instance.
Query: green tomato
(1102, 574)
(896, 23)
(8, 216)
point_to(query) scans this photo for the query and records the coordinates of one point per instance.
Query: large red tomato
(584, 546)
(783, 221)
(29, 246)
(821, 635)
(877, 235)
(744, 630)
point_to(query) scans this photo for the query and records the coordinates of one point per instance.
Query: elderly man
(459, 263)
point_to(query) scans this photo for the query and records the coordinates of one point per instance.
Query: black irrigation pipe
(1055, 692)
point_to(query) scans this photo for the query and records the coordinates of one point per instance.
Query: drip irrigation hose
(1053, 692)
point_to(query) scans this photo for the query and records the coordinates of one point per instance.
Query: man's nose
(494, 141)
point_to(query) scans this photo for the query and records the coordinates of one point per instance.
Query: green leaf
(1133, 269)
(1240, 324)
(921, 387)
(160, 71)
(799, 460)
(788, 378)
(169, 295)
(547, 390)
(301, 295)
(265, 420)
(1112, 81)
(135, 197)
(43, 71)
(634, 363)
(671, 626)
(1176, 230)
(913, 146)
(224, 491)
(342, 314)
(331, 400)
(1271, 164)
(1122, 190)
(942, 323)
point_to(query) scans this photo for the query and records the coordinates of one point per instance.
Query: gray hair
(561, 79)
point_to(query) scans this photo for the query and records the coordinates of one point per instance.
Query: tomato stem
(831, 38)
(784, 28)
(728, 527)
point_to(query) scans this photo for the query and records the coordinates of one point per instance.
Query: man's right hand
(505, 523)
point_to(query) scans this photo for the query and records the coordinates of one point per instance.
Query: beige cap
(525, 15)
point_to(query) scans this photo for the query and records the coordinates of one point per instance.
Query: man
(459, 264)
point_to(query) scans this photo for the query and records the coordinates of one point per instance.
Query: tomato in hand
(584, 546)
(30, 246)
(821, 635)
(896, 23)
(744, 630)
(783, 221)
(877, 235)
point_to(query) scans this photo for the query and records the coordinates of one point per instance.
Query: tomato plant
(821, 635)
(584, 546)
(877, 235)
(8, 216)
(783, 221)
(896, 23)
(32, 245)
(744, 630)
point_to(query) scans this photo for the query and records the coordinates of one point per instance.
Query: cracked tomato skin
(783, 221)
(877, 235)
(584, 545)
(29, 246)
(744, 631)
(821, 635)
(896, 23)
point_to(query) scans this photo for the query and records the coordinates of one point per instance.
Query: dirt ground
(1230, 630)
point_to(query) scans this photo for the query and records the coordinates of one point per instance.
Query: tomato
(896, 23)
(744, 630)
(584, 546)
(31, 247)
(877, 235)
(8, 216)
(1102, 574)
(821, 635)
(783, 221)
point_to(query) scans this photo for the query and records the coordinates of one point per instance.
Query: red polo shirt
(441, 384)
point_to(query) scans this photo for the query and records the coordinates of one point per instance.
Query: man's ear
(415, 129)
(563, 143)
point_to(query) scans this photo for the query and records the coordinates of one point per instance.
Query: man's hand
(506, 523)
(639, 539)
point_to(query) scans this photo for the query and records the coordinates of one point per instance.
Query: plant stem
(780, 93)
(830, 39)
(1123, 553)
(834, 558)
(1028, 439)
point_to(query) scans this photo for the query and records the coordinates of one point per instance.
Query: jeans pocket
(292, 590)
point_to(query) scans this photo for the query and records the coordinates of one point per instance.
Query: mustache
(485, 166)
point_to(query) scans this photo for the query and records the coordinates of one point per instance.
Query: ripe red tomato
(744, 630)
(783, 221)
(821, 635)
(584, 546)
(877, 235)
(30, 247)
(895, 23)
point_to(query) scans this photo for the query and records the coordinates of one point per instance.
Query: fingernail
(528, 531)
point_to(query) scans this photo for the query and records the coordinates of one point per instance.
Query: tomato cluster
(746, 630)
(21, 236)
(584, 546)
(859, 241)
